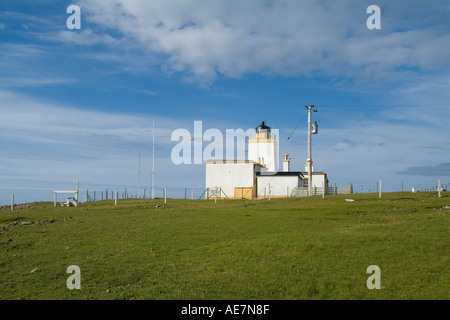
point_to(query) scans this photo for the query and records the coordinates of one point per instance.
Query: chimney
(286, 166)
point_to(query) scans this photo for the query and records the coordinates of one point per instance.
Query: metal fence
(304, 192)
(126, 193)
(22, 195)
(400, 187)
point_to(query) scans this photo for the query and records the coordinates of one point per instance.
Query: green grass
(297, 248)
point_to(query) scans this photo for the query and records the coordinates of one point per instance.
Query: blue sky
(79, 104)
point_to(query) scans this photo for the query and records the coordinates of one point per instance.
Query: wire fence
(400, 187)
(158, 193)
(20, 196)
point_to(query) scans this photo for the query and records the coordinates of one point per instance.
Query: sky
(78, 104)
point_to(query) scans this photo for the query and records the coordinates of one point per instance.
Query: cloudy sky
(79, 104)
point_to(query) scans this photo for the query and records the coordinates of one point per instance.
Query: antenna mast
(139, 177)
(153, 162)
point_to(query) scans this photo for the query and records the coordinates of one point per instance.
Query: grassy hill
(297, 248)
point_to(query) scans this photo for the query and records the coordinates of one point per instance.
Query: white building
(259, 176)
(279, 184)
(319, 181)
(232, 179)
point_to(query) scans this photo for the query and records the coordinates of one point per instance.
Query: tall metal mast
(153, 162)
(139, 176)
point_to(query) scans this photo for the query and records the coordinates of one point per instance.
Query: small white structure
(231, 178)
(70, 201)
(279, 184)
(318, 180)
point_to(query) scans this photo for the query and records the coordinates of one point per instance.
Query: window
(305, 183)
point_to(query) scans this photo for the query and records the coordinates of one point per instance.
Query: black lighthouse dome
(262, 128)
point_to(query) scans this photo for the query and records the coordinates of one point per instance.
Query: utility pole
(153, 162)
(309, 159)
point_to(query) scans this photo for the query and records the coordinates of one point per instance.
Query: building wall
(317, 179)
(229, 176)
(280, 186)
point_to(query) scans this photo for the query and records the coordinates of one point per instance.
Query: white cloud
(10, 82)
(381, 149)
(48, 141)
(204, 38)
(145, 91)
(42, 140)
(84, 37)
(40, 121)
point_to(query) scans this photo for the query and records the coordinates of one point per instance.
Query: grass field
(297, 248)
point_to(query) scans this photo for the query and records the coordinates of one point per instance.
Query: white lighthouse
(263, 149)
(259, 177)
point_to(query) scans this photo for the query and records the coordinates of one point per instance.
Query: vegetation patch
(295, 248)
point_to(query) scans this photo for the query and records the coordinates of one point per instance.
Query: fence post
(323, 189)
(115, 201)
(12, 202)
(439, 188)
(55, 200)
(165, 195)
(380, 190)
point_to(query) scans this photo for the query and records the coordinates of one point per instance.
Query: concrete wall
(229, 176)
(317, 179)
(280, 186)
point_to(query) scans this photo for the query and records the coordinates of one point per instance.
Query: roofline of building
(313, 173)
(232, 161)
(280, 174)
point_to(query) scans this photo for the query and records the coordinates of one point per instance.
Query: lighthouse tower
(263, 149)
